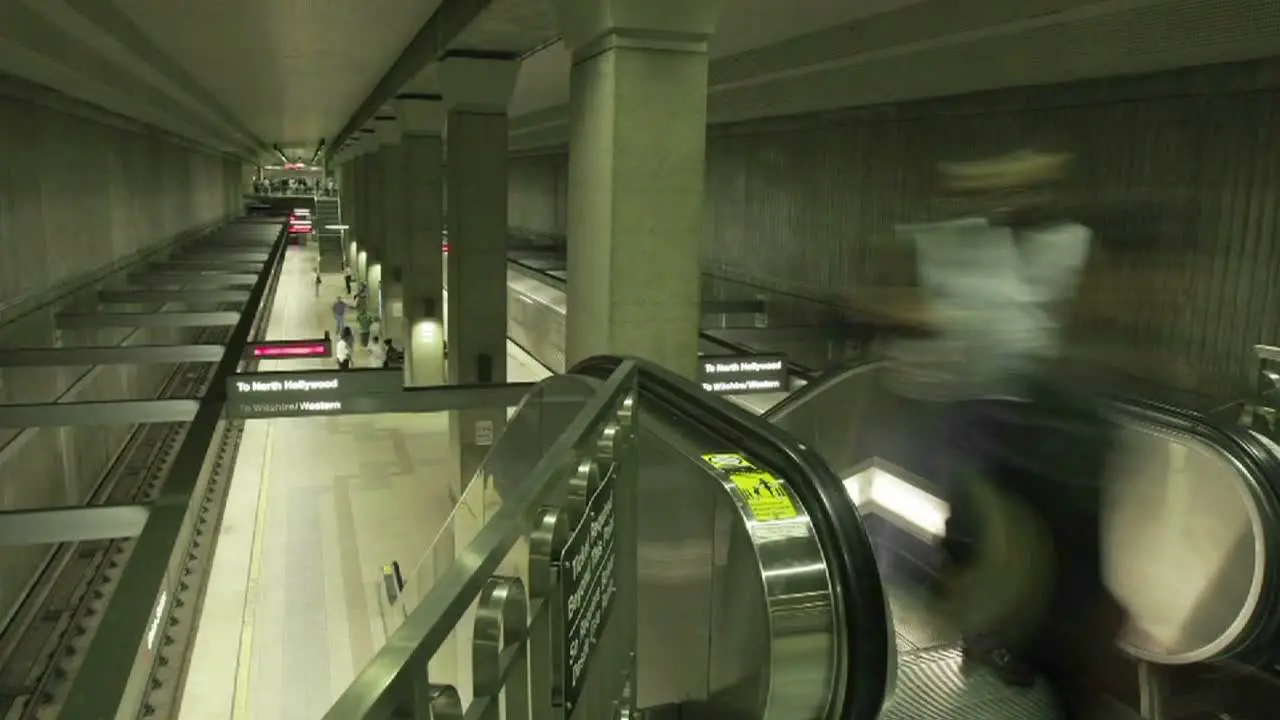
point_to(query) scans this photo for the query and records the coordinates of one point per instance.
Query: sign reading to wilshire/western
(303, 394)
(587, 587)
(743, 374)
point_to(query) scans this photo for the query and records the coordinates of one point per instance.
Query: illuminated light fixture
(293, 351)
(336, 227)
(287, 349)
(444, 248)
(878, 491)
(301, 211)
(283, 157)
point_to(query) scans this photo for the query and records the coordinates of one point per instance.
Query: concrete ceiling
(244, 75)
(744, 25)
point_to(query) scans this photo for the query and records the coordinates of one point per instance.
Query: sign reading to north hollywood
(588, 586)
(743, 374)
(303, 394)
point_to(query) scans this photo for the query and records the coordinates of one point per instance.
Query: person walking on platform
(340, 315)
(362, 296)
(346, 277)
(1028, 452)
(343, 351)
(318, 281)
(365, 321)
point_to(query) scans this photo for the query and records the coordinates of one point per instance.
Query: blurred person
(346, 277)
(393, 357)
(1027, 452)
(340, 314)
(377, 353)
(343, 351)
(365, 321)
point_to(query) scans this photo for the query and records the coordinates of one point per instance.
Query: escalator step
(936, 684)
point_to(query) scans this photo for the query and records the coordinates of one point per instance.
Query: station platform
(315, 508)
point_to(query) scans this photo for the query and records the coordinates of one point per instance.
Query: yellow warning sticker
(765, 495)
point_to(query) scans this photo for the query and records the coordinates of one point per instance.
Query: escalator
(773, 569)
(1190, 534)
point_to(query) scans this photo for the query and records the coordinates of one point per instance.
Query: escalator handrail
(1261, 473)
(818, 384)
(835, 520)
(1260, 465)
(546, 278)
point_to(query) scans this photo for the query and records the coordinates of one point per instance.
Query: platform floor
(316, 507)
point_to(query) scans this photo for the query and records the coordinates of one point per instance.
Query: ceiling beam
(428, 46)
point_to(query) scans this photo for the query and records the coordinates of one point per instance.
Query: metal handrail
(396, 678)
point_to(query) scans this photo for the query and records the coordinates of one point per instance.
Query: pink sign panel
(290, 349)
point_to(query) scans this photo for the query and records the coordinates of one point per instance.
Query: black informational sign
(743, 374)
(304, 394)
(588, 587)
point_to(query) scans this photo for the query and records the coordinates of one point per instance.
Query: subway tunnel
(527, 358)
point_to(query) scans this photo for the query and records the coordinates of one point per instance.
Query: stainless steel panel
(59, 525)
(200, 296)
(1185, 546)
(110, 355)
(205, 266)
(221, 255)
(138, 319)
(119, 412)
(1182, 537)
(193, 279)
(757, 575)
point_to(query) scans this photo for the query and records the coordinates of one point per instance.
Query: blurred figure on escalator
(1026, 450)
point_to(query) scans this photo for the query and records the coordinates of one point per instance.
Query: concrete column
(383, 127)
(421, 118)
(377, 246)
(391, 174)
(360, 184)
(343, 162)
(367, 193)
(638, 99)
(477, 92)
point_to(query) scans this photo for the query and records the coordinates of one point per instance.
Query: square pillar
(362, 205)
(422, 117)
(638, 123)
(477, 91)
(391, 172)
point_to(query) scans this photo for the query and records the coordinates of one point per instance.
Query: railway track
(41, 647)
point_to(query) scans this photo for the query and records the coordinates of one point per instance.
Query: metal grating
(937, 684)
(915, 628)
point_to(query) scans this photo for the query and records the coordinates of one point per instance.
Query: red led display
(289, 349)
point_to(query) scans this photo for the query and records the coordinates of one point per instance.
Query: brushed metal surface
(1182, 538)
(733, 612)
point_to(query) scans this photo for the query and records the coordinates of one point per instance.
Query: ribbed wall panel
(1179, 174)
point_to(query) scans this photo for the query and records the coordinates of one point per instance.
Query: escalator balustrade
(1190, 530)
(645, 547)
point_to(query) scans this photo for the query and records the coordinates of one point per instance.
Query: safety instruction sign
(763, 493)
